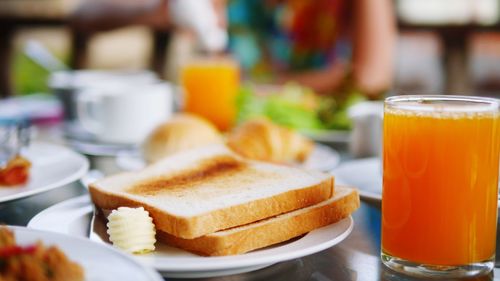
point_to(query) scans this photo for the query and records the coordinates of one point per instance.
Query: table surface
(356, 258)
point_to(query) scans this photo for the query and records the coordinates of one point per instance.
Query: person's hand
(206, 18)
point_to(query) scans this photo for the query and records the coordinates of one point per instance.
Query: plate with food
(39, 168)
(53, 256)
(324, 118)
(370, 184)
(75, 216)
(212, 211)
(258, 139)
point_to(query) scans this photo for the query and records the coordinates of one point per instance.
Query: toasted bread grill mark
(208, 170)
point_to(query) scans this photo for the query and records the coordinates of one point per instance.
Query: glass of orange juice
(211, 86)
(440, 185)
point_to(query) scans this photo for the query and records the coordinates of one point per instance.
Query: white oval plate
(52, 166)
(364, 174)
(322, 158)
(100, 262)
(74, 217)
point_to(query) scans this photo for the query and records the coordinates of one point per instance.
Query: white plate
(74, 217)
(52, 166)
(364, 174)
(100, 262)
(322, 158)
(329, 136)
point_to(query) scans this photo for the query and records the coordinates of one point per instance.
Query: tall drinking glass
(440, 189)
(211, 86)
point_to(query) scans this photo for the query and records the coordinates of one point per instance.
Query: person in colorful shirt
(327, 45)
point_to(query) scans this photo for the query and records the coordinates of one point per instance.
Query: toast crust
(267, 232)
(196, 226)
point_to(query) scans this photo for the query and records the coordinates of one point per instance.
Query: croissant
(260, 139)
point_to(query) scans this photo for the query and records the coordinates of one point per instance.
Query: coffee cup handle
(87, 109)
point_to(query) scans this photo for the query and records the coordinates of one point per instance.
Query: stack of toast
(212, 202)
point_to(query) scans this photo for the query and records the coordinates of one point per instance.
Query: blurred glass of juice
(211, 86)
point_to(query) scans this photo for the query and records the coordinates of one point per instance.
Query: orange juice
(211, 87)
(440, 186)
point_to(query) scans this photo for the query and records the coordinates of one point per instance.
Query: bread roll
(181, 132)
(263, 140)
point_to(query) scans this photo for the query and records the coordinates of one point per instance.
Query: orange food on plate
(16, 172)
(35, 262)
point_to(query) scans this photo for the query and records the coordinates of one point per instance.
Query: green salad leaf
(296, 107)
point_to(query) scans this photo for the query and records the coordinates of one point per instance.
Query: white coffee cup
(124, 113)
(67, 84)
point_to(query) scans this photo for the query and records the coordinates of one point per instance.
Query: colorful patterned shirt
(286, 35)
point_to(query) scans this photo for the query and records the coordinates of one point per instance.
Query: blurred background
(446, 46)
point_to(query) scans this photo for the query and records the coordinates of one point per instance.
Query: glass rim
(200, 61)
(437, 103)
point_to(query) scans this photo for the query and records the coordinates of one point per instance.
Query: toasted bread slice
(204, 190)
(270, 231)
